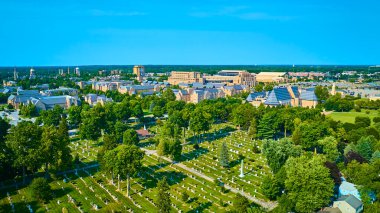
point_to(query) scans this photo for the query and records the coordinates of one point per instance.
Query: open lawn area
(350, 116)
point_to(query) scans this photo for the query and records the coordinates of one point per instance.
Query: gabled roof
(308, 95)
(278, 96)
(253, 96)
(52, 100)
(295, 91)
(351, 200)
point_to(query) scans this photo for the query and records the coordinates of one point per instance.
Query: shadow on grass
(194, 154)
(173, 177)
(201, 207)
(212, 136)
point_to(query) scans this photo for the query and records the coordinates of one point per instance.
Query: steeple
(15, 74)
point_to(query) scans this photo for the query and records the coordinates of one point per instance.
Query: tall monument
(241, 169)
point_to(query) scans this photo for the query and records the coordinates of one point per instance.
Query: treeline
(28, 147)
(309, 164)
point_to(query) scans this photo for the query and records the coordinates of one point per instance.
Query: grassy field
(92, 190)
(350, 116)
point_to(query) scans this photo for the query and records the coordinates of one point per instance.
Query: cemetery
(88, 189)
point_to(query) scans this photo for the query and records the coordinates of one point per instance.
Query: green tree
(65, 157)
(322, 93)
(278, 152)
(124, 160)
(184, 196)
(158, 111)
(266, 129)
(270, 187)
(243, 115)
(259, 88)
(41, 189)
(163, 147)
(200, 121)
(24, 140)
(74, 117)
(118, 130)
(308, 184)
(50, 147)
(252, 130)
(90, 128)
(175, 149)
(130, 137)
(29, 110)
(52, 117)
(163, 201)
(168, 95)
(362, 121)
(224, 155)
(330, 148)
(240, 204)
(308, 133)
(365, 147)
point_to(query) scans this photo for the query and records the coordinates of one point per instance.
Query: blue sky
(78, 32)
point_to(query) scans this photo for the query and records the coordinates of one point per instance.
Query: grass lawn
(350, 116)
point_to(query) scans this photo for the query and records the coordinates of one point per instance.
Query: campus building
(287, 96)
(49, 102)
(196, 92)
(139, 71)
(142, 90)
(93, 99)
(178, 77)
(271, 77)
(232, 77)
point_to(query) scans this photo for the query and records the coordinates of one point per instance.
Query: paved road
(265, 204)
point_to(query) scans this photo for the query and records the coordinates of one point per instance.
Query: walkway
(266, 204)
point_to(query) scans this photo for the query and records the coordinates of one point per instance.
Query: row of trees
(27, 147)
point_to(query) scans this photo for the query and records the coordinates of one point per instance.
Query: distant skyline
(223, 32)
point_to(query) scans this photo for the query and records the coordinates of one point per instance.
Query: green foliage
(40, 189)
(52, 117)
(322, 93)
(243, 115)
(259, 88)
(365, 147)
(308, 183)
(130, 137)
(307, 134)
(163, 147)
(270, 187)
(24, 140)
(29, 110)
(240, 204)
(329, 146)
(362, 121)
(252, 130)
(90, 128)
(339, 104)
(74, 115)
(200, 120)
(163, 201)
(168, 95)
(184, 196)
(224, 155)
(277, 152)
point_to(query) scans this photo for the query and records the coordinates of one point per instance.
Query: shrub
(184, 197)
(41, 189)
(376, 119)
